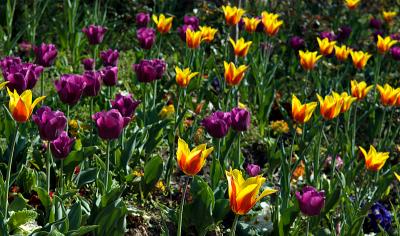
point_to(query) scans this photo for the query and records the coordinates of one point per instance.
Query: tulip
(50, 123)
(192, 21)
(207, 33)
(243, 192)
(21, 76)
(308, 59)
(232, 14)
(45, 54)
(338, 162)
(240, 47)
(109, 75)
(327, 35)
(193, 38)
(191, 161)
(346, 99)
(253, 170)
(352, 4)
(395, 52)
(344, 33)
(360, 59)
(374, 160)
(217, 125)
(325, 46)
(240, 119)
(125, 104)
(110, 123)
(234, 75)
(301, 113)
(146, 37)
(21, 106)
(375, 23)
(384, 44)
(310, 201)
(251, 24)
(109, 57)
(95, 34)
(342, 53)
(360, 90)
(70, 88)
(92, 80)
(389, 16)
(142, 19)
(271, 23)
(163, 24)
(330, 107)
(183, 77)
(149, 70)
(388, 94)
(397, 176)
(296, 43)
(7, 62)
(88, 63)
(61, 147)
(182, 31)
(167, 111)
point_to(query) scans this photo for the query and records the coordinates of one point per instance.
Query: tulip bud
(142, 19)
(240, 119)
(50, 123)
(88, 63)
(45, 54)
(109, 75)
(146, 37)
(61, 147)
(92, 80)
(311, 201)
(94, 34)
(70, 88)
(110, 123)
(217, 125)
(125, 104)
(253, 170)
(109, 57)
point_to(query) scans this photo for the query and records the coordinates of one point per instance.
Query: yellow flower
(388, 94)
(167, 111)
(280, 126)
(160, 186)
(232, 14)
(3, 84)
(73, 124)
(183, 77)
(347, 101)
(250, 24)
(242, 106)
(352, 4)
(234, 75)
(191, 161)
(207, 33)
(389, 16)
(301, 113)
(137, 173)
(359, 58)
(271, 23)
(325, 46)
(360, 90)
(241, 48)
(308, 59)
(330, 107)
(374, 160)
(342, 52)
(384, 44)
(163, 24)
(193, 38)
(397, 176)
(21, 107)
(243, 193)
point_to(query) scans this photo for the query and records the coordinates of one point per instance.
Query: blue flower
(379, 215)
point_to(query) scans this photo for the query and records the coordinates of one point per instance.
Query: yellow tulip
(308, 59)
(352, 4)
(384, 44)
(360, 59)
(346, 99)
(183, 77)
(243, 194)
(207, 33)
(360, 90)
(163, 24)
(193, 38)
(234, 75)
(271, 23)
(388, 94)
(374, 160)
(167, 111)
(241, 48)
(301, 113)
(192, 161)
(250, 24)
(232, 14)
(21, 107)
(397, 176)
(331, 106)
(389, 16)
(342, 53)
(325, 46)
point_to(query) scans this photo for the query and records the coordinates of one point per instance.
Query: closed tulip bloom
(330, 35)
(240, 119)
(207, 33)
(232, 14)
(50, 123)
(395, 52)
(109, 75)
(125, 104)
(110, 123)
(384, 44)
(325, 46)
(163, 23)
(330, 107)
(62, 146)
(271, 23)
(360, 59)
(109, 57)
(375, 23)
(253, 170)
(342, 53)
(308, 59)
(146, 37)
(88, 63)
(21, 106)
(360, 90)
(352, 4)
(347, 100)
(240, 48)
(193, 38)
(192, 20)
(45, 54)
(7, 62)
(191, 161)
(301, 113)
(70, 88)
(217, 125)
(142, 19)
(234, 75)
(389, 16)
(310, 201)
(374, 161)
(243, 193)
(296, 42)
(250, 24)
(95, 34)
(388, 94)
(92, 80)
(21, 76)
(397, 176)
(149, 70)
(183, 77)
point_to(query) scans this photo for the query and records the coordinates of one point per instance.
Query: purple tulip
(146, 37)
(45, 54)
(191, 20)
(395, 52)
(50, 123)
(217, 125)
(125, 105)
(395, 36)
(240, 119)
(311, 201)
(260, 27)
(149, 70)
(182, 31)
(338, 162)
(70, 88)
(95, 34)
(253, 170)
(88, 63)
(93, 83)
(142, 19)
(109, 75)
(110, 123)
(328, 34)
(375, 23)
(296, 43)
(61, 147)
(241, 24)
(343, 33)
(109, 57)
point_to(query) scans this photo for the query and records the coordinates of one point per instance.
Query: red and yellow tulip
(352, 4)
(271, 23)
(21, 106)
(301, 113)
(374, 160)
(360, 90)
(250, 24)
(207, 33)
(232, 14)
(360, 59)
(389, 16)
(331, 106)
(193, 38)
(347, 100)
(384, 44)
(325, 46)
(342, 53)
(163, 23)
(389, 95)
(234, 75)
(183, 77)
(191, 161)
(308, 59)
(240, 48)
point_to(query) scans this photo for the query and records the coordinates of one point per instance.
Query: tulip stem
(48, 166)
(42, 84)
(233, 229)
(108, 165)
(9, 167)
(308, 227)
(317, 156)
(353, 140)
(179, 233)
(62, 177)
(68, 117)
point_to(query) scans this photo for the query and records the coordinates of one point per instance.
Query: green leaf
(86, 177)
(152, 173)
(215, 172)
(44, 198)
(75, 216)
(21, 217)
(332, 200)
(83, 230)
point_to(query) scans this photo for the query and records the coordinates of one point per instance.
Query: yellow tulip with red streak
(271, 23)
(184, 76)
(360, 59)
(191, 161)
(193, 38)
(330, 106)
(207, 33)
(21, 106)
(325, 46)
(250, 24)
(352, 4)
(384, 44)
(342, 53)
(163, 24)
(347, 100)
(308, 59)
(301, 113)
(360, 90)
(389, 16)
(389, 95)
(234, 75)
(232, 14)
(374, 161)
(240, 48)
